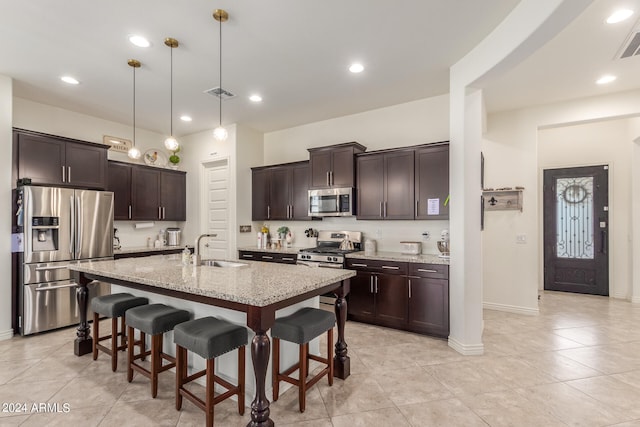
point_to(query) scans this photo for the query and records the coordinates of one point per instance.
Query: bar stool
(300, 328)
(113, 306)
(155, 320)
(209, 337)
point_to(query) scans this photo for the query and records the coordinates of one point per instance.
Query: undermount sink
(223, 264)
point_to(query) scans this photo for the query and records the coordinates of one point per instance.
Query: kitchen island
(256, 288)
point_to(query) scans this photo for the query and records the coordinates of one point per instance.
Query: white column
(635, 226)
(6, 120)
(465, 289)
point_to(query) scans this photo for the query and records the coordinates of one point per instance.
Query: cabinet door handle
(328, 181)
(247, 256)
(385, 209)
(409, 288)
(63, 174)
(330, 177)
(389, 267)
(68, 173)
(159, 212)
(422, 270)
(287, 259)
(164, 213)
(129, 211)
(268, 212)
(266, 257)
(417, 210)
(381, 210)
(358, 265)
(371, 284)
(376, 284)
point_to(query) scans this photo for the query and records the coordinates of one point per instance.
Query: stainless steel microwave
(331, 202)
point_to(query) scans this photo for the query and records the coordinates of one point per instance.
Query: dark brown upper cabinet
(334, 165)
(280, 192)
(54, 160)
(432, 182)
(147, 193)
(385, 185)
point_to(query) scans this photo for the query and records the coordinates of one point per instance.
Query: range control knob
(328, 258)
(335, 258)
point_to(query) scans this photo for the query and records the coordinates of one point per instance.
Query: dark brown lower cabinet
(408, 296)
(429, 306)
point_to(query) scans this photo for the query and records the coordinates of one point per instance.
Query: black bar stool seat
(209, 338)
(300, 328)
(154, 320)
(113, 306)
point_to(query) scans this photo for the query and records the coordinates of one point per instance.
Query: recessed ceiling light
(619, 16)
(185, 118)
(356, 68)
(70, 80)
(139, 41)
(255, 98)
(605, 79)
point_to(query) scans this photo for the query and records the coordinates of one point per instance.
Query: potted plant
(282, 232)
(174, 159)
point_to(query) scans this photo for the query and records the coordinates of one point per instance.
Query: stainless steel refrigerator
(60, 226)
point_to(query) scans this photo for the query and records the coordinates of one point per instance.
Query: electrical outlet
(378, 233)
(426, 235)
(521, 238)
(245, 229)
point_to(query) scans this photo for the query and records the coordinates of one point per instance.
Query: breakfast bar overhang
(255, 288)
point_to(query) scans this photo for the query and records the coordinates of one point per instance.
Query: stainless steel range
(331, 248)
(330, 252)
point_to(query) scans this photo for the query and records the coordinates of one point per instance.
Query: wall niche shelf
(503, 199)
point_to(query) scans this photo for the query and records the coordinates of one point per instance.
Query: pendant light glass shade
(171, 143)
(134, 153)
(220, 133)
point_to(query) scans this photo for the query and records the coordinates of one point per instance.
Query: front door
(576, 221)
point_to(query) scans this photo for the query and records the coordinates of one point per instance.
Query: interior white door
(217, 210)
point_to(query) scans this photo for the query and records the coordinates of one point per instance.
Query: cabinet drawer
(378, 266)
(434, 271)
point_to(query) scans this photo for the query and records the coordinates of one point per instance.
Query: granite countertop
(293, 250)
(138, 249)
(397, 256)
(258, 283)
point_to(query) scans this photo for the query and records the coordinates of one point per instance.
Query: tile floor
(577, 363)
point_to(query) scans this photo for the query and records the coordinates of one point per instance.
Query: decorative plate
(155, 157)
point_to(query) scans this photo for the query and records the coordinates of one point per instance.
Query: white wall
(513, 273)
(249, 153)
(599, 143)
(412, 123)
(6, 91)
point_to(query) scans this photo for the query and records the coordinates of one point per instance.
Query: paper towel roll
(143, 225)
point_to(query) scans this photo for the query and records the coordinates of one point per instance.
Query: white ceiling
(294, 53)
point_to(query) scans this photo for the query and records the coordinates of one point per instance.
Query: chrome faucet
(196, 252)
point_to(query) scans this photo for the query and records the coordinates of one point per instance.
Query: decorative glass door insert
(575, 232)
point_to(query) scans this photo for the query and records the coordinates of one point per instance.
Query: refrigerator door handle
(53, 288)
(79, 226)
(72, 230)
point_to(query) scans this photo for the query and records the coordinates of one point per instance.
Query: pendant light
(220, 133)
(134, 152)
(171, 143)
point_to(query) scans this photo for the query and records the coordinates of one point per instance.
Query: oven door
(331, 202)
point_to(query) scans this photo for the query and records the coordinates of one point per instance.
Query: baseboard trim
(6, 335)
(635, 300)
(466, 350)
(511, 308)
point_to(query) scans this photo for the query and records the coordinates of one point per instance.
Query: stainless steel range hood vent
(219, 92)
